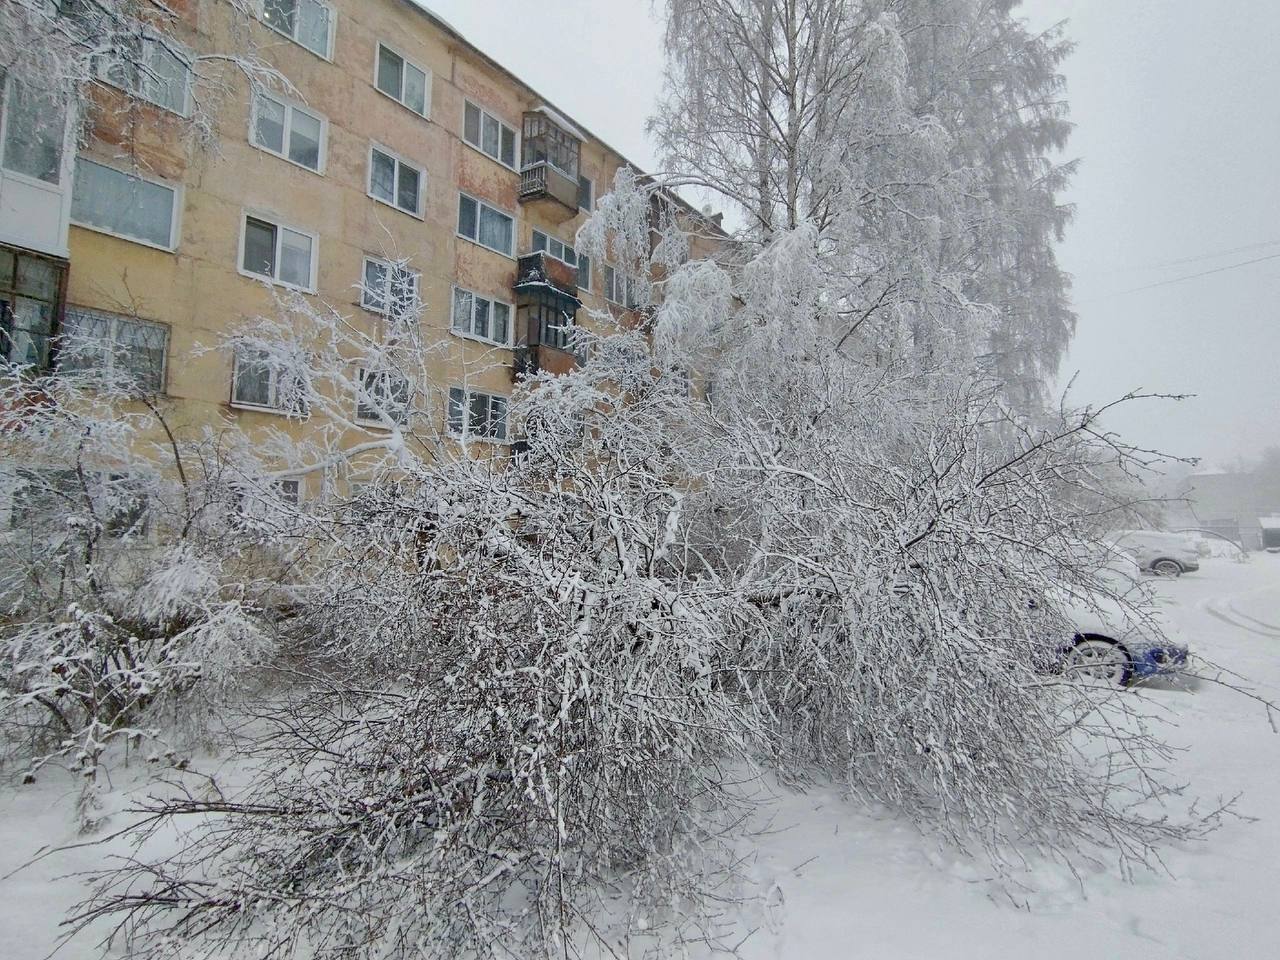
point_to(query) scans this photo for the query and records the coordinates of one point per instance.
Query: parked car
(1113, 644)
(1161, 553)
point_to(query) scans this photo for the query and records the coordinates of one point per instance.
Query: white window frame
(116, 320)
(271, 218)
(407, 61)
(469, 333)
(390, 268)
(289, 108)
(361, 374)
(420, 212)
(466, 433)
(333, 29)
(479, 147)
(150, 39)
(576, 263)
(509, 254)
(583, 176)
(175, 224)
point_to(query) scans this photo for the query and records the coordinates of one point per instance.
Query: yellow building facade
(394, 141)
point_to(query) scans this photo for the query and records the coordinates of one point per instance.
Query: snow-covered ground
(848, 885)
(841, 883)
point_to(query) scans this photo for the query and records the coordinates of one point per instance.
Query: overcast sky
(1177, 112)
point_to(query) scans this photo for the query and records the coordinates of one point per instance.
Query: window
(306, 22)
(153, 69)
(486, 226)
(489, 135)
(402, 81)
(288, 131)
(617, 289)
(565, 254)
(395, 182)
(477, 415)
(389, 289)
(481, 317)
(106, 199)
(260, 381)
(278, 253)
(382, 396)
(122, 346)
(30, 292)
(586, 193)
(34, 130)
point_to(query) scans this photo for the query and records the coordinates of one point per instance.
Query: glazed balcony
(549, 164)
(546, 313)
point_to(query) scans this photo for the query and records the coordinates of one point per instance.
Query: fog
(1176, 245)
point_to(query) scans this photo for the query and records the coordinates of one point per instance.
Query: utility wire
(1213, 256)
(1195, 276)
(1183, 261)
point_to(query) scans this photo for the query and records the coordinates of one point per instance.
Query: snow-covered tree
(915, 139)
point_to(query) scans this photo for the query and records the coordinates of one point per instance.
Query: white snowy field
(841, 883)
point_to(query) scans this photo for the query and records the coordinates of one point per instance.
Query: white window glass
(313, 26)
(486, 226)
(393, 181)
(496, 230)
(270, 124)
(402, 81)
(129, 206)
(305, 133)
(307, 22)
(295, 258)
(34, 130)
(489, 134)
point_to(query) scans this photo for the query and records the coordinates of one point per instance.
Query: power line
(1183, 261)
(1195, 276)
(1213, 256)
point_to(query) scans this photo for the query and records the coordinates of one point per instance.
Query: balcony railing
(545, 181)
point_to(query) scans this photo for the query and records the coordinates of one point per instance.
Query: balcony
(543, 182)
(546, 312)
(549, 156)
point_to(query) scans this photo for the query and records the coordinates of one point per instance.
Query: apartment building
(400, 143)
